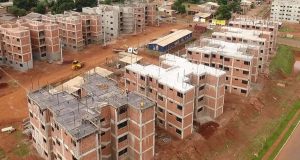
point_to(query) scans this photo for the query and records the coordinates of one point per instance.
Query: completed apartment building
(286, 10)
(238, 60)
(92, 119)
(15, 47)
(183, 91)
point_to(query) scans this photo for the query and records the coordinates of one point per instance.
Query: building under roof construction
(91, 120)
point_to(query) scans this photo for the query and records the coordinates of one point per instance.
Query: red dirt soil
(13, 106)
(208, 129)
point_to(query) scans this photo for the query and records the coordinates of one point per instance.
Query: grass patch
(282, 125)
(284, 139)
(283, 62)
(286, 29)
(207, 33)
(21, 150)
(2, 153)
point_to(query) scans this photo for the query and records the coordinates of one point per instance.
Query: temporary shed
(170, 41)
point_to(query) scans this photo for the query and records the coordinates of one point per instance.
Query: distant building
(286, 10)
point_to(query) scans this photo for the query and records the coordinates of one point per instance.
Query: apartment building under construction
(253, 37)
(15, 50)
(183, 91)
(123, 19)
(238, 60)
(90, 118)
(44, 39)
(260, 25)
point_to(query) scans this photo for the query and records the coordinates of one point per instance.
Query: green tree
(223, 12)
(222, 2)
(25, 4)
(62, 5)
(40, 8)
(178, 6)
(235, 6)
(85, 3)
(17, 11)
(107, 1)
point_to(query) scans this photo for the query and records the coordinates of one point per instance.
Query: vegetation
(227, 8)
(20, 7)
(286, 118)
(84, 3)
(2, 153)
(62, 5)
(223, 12)
(283, 62)
(107, 1)
(17, 11)
(40, 8)
(286, 29)
(285, 138)
(25, 4)
(21, 150)
(178, 6)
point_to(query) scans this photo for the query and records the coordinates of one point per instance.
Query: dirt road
(289, 42)
(13, 99)
(290, 150)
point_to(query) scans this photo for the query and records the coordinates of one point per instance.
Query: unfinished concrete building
(91, 29)
(150, 14)
(16, 47)
(70, 31)
(109, 20)
(44, 39)
(253, 37)
(184, 91)
(239, 61)
(90, 118)
(260, 25)
(123, 19)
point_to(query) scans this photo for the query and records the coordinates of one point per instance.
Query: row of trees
(224, 12)
(22, 7)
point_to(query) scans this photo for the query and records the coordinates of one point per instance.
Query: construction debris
(258, 105)
(8, 129)
(281, 85)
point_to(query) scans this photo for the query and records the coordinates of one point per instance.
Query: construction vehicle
(77, 65)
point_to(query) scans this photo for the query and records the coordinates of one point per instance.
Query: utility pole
(61, 56)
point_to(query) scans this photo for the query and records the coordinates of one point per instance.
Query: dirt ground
(13, 107)
(244, 126)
